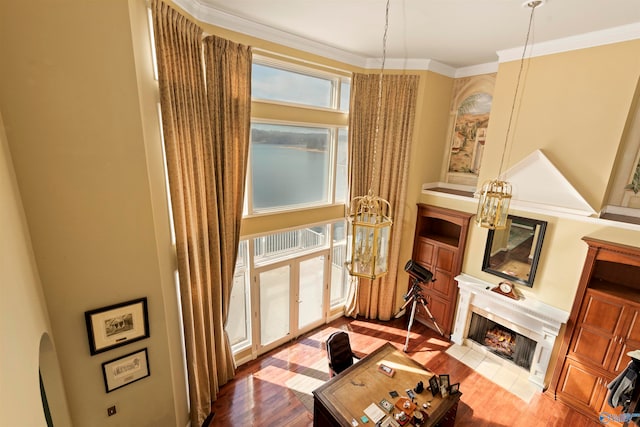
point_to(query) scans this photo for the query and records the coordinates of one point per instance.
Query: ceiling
(456, 33)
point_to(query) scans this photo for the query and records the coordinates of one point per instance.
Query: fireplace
(502, 341)
(522, 331)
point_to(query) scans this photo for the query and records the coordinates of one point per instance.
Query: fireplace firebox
(502, 341)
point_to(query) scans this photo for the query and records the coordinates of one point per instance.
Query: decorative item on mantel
(506, 288)
(370, 216)
(495, 195)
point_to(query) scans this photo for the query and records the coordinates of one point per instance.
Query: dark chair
(339, 353)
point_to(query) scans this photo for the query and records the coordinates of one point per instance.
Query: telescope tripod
(414, 296)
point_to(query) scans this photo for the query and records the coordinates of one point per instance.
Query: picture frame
(125, 370)
(117, 325)
(444, 385)
(434, 385)
(455, 388)
(388, 371)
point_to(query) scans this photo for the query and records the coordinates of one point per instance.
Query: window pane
(239, 325)
(341, 166)
(275, 84)
(289, 166)
(339, 279)
(274, 292)
(288, 243)
(345, 93)
(311, 287)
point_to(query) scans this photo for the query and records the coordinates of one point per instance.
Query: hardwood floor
(260, 394)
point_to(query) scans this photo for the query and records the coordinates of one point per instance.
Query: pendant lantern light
(369, 217)
(495, 195)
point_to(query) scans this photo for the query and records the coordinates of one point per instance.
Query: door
(292, 299)
(595, 339)
(274, 306)
(311, 285)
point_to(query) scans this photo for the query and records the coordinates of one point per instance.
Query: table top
(347, 395)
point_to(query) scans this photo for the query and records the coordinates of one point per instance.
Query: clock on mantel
(506, 288)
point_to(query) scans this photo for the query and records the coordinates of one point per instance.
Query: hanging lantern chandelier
(370, 216)
(495, 195)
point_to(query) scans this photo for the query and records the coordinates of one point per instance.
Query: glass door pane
(311, 291)
(275, 300)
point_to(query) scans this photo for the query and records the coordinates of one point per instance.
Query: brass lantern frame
(370, 227)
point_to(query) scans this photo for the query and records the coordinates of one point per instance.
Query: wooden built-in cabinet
(603, 327)
(439, 245)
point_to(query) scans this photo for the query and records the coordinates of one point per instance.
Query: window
(289, 165)
(288, 280)
(288, 244)
(299, 147)
(239, 321)
(339, 278)
(273, 80)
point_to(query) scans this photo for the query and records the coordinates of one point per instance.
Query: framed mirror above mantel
(514, 252)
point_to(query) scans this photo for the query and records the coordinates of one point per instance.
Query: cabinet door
(581, 387)
(444, 259)
(444, 285)
(439, 308)
(595, 338)
(424, 253)
(629, 339)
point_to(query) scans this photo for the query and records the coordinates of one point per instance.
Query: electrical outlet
(111, 410)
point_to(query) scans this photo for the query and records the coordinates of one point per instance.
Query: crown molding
(582, 41)
(213, 16)
(209, 14)
(411, 64)
(476, 70)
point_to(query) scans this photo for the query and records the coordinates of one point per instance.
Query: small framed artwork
(117, 325)
(125, 370)
(434, 385)
(388, 371)
(444, 385)
(386, 405)
(455, 388)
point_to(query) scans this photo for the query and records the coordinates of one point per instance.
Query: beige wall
(69, 95)
(23, 314)
(574, 108)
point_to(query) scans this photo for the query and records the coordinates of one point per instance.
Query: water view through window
(290, 165)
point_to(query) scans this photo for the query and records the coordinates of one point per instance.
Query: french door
(292, 299)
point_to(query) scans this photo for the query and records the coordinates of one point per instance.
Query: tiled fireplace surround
(527, 316)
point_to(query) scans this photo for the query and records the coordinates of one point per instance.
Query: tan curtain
(206, 158)
(228, 70)
(376, 299)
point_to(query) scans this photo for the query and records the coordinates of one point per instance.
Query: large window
(290, 165)
(278, 81)
(291, 278)
(298, 137)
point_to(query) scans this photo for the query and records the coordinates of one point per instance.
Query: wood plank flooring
(260, 393)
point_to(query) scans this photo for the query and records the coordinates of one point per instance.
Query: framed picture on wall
(117, 325)
(125, 370)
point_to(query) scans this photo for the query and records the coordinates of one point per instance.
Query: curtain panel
(205, 120)
(376, 299)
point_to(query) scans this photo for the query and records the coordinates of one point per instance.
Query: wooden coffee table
(345, 397)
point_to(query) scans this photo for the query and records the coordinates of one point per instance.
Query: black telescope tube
(418, 272)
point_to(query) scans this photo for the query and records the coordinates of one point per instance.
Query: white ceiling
(456, 33)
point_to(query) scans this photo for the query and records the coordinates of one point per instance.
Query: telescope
(418, 272)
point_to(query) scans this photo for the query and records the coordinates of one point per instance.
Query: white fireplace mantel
(529, 316)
